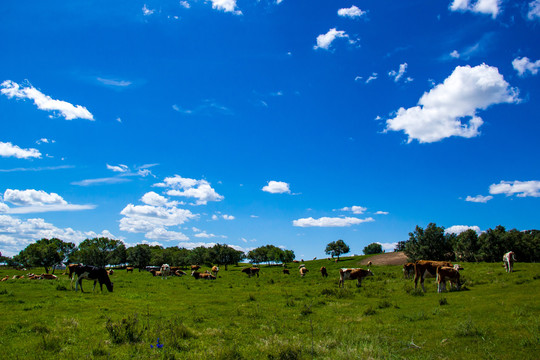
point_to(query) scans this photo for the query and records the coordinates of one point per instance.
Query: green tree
(199, 256)
(373, 248)
(139, 256)
(430, 244)
(98, 251)
(47, 253)
(493, 245)
(466, 246)
(222, 254)
(337, 248)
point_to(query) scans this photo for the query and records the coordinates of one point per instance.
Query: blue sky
(292, 123)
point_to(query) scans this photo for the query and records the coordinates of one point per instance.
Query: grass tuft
(467, 328)
(443, 301)
(127, 330)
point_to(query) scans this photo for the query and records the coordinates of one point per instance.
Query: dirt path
(392, 258)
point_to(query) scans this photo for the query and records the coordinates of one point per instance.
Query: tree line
(433, 243)
(102, 252)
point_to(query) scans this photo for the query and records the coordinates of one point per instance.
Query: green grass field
(496, 316)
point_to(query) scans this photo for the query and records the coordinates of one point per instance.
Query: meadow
(275, 316)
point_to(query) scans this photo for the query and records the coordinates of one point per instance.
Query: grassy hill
(275, 316)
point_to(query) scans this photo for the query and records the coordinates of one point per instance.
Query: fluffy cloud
(146, 11)
(147, 218)
(524, 65)
(534, 10)
(16, 234)
(489, 7)
(190, 188)
(226, 6)
(325, 40)
(388, 246)
(36, 201)
(355, 209)
(479, 198)
(44, 102)
(154, 199)
(458, 229)
(441, 110)
(397, 75)
(167, 235)
(330, 222)
(382, 213)
(518, 188)
(7, 149)
(277, 187)
(352, 12)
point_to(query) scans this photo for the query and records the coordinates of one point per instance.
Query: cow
(303, 271)
(215, 270)
(324, 273)
(408, 270)
(179, 273)
(369, 263)
(458, 267)
(315, 258)
(295, 261)
(445, 273)
(155, 273)
(48, 276)
(353, 274)
(250, 271)
(508, 260)
(204, 276)
(93, 273)
(165, 271)
(71, 272)
(423, 268)
(286, 271)
(129, 269)
(301, 266)
(5, 278)
(110, 272)
(195, 267)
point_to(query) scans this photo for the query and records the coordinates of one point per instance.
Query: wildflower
(158, 345)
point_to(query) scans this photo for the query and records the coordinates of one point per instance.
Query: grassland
(275, 316)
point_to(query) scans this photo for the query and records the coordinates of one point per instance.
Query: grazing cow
(195, 267)
(301, 266)
(458, 267)
(286, 271)
(215, 270)
(204, 276)
(250, 271)
(445, 273)
(15, 277)
(179, 273)
(129, 269)
(353, 274)
(423, 268)
(303, 271)
(93, 273)
(315, 258)
(324, 273)
(71, 272)
(110, 272)
(369, 263)
(165, 271)
(508, 260)
(5, 278)
(295, 261)
(48, 276)
(408, 270)
(155, 273)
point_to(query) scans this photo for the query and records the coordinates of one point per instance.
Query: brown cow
(215, 270)
(408, 270)
(423, 268)
(353, 274)
(5, 278)
(445, 273)
(155, 273)
(303, 271)
(369, 263)
(286, 271)
(179, 273)
(195, 267)
(110, 272)
(324, 273)
(204, 276)
(250, 271)
(48, 276)
(129, 269)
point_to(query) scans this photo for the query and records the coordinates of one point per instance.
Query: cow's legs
(94, 289)
(79, 283)
(359, 284)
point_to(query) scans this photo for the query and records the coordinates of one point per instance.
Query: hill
(392, 258)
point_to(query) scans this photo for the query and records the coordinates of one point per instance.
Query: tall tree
(373, 248)
(466, 246)
(47, 253)
(98, 251)
(337, 248)
(430, 244)
(223, 254)
(139, 256)
(492, 244)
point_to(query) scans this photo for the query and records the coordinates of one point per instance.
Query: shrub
(369, 311)
(443, 301)
(126, 331)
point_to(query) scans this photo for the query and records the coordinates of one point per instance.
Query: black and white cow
(93, 273)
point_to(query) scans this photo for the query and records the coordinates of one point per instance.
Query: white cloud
(44, 102)
(388, 246)
(352, 12)
(119, 168)
(518, 188)
(397, 75)
(166, 235)
(228, 217)
(32, 197)
(226, 6)
(277, 187)
(455, 54)
(154, 199)
(534, 10)
(7, 149)
(146, 11)
(371, 78)
(458, 229)
(101, 181)
(146, 218)
(382, 213)
(355, 209)
(330, 222)
(325, 40)
(16, 234)
(191, 188)
(489, 7)
(113, 82)
(479, 198)
(441, 110)
(524, 64)
(185, 4)
(45, 141)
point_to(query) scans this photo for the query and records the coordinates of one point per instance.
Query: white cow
(508, 260)
(165, 271)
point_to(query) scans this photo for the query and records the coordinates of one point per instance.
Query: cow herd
(443, 271)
